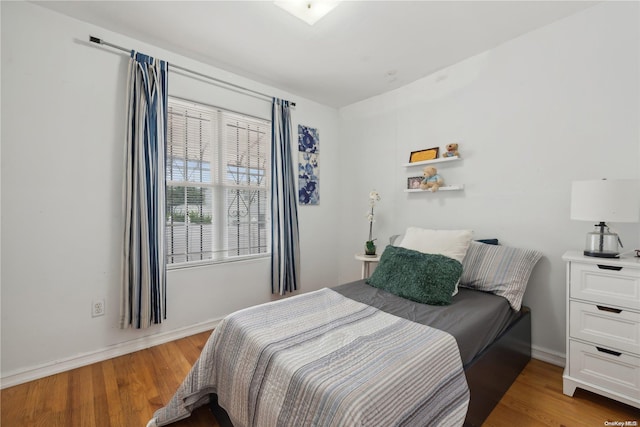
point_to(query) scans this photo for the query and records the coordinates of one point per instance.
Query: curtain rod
(102, 42)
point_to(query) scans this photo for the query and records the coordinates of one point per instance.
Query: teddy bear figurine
(431, 181)
(452, 150)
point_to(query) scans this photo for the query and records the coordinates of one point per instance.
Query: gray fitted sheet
(474, 318)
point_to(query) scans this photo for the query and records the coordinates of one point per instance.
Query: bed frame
(489, 374)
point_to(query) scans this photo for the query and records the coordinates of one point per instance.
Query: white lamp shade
(615, 200)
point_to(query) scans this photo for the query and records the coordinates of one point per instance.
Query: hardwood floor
(536, 399)
(125, 392)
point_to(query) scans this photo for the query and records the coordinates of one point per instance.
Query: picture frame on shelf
(422, 155)
(413, 183)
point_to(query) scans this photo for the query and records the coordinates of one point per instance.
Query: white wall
(62, 163)
(555, 105)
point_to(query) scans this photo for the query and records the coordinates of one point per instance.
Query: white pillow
(451, 243)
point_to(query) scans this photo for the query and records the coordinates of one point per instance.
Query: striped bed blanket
(321, 359)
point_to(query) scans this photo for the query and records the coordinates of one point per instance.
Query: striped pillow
(500, 270)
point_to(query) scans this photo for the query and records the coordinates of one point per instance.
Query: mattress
(474, 318)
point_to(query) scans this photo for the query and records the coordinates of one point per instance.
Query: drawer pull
(609, 309)
(606, 350)
(609, 267)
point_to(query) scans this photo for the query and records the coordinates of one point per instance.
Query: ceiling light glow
(310, 11)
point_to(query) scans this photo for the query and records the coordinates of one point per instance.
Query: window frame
(219, 188)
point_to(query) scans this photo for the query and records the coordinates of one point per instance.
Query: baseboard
(548, 356)
(121, 349)
(84, 359)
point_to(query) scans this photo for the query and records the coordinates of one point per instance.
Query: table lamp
(615, 200)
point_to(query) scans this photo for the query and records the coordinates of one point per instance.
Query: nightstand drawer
(606, 284)
(618, 372)
(606, 326)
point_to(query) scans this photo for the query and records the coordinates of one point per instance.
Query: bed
(364, 354)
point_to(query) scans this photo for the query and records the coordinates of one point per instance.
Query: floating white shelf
(428, 162)
(444, 188)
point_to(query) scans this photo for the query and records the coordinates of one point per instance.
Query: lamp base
(602, 243)
(603, 254)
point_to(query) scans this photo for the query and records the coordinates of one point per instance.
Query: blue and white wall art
(308, 165)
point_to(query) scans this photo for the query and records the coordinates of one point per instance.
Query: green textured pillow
(425, 278)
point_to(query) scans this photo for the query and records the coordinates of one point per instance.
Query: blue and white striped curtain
(144, 275)
(285, 249)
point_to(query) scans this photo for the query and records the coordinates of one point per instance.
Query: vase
(370, 248)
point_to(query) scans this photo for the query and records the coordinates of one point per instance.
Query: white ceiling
(361, 49)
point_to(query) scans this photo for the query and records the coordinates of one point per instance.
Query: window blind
(217, 184)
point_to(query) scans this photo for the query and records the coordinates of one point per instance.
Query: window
(217, 195)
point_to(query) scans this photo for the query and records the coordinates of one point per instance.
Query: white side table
(603, 327)
(366, 263)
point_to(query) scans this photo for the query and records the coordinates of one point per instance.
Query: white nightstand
(366, 263)
(603, 327)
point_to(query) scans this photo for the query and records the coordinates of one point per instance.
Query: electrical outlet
(97, 307)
